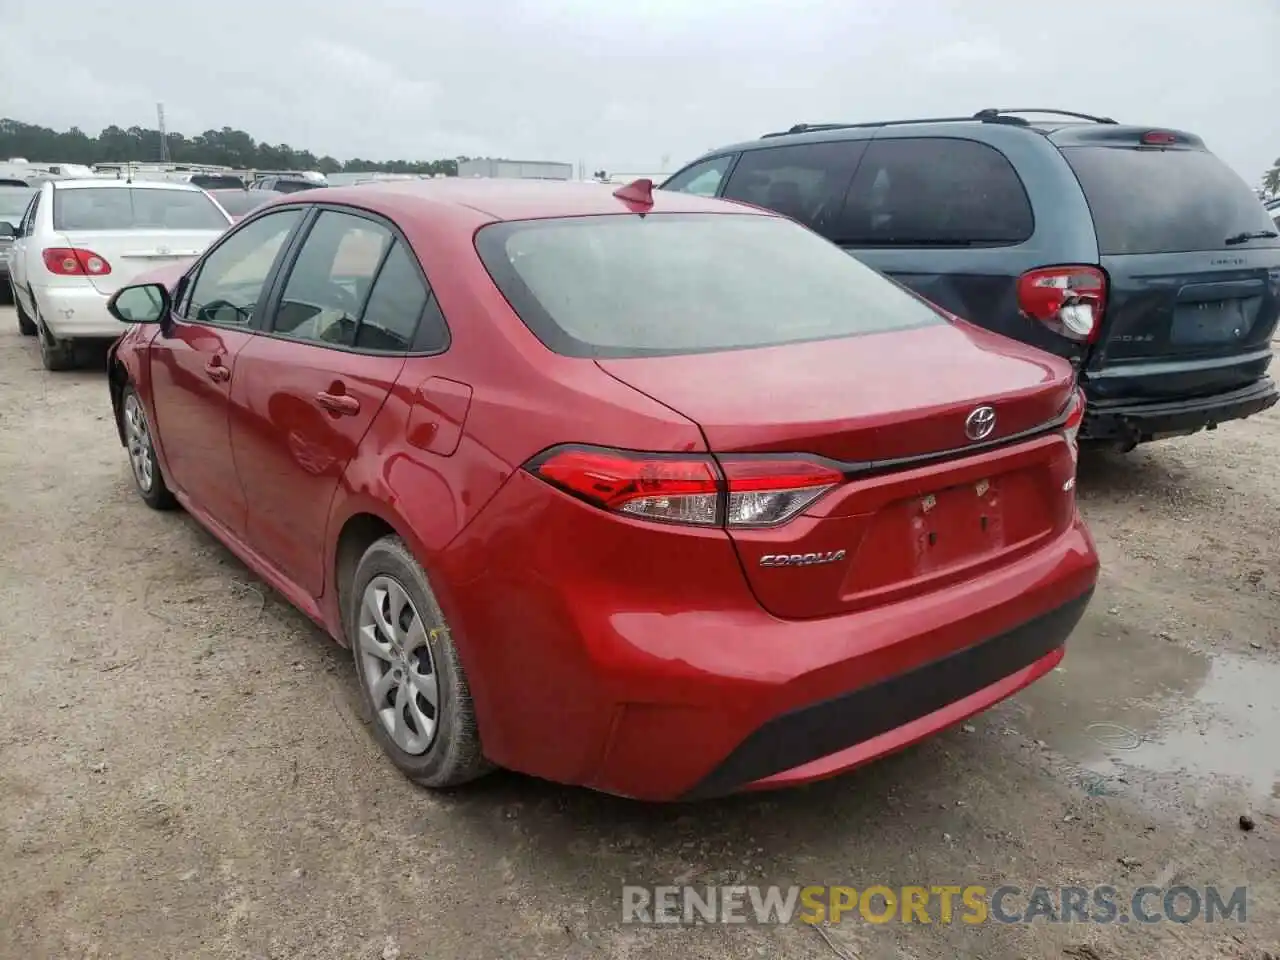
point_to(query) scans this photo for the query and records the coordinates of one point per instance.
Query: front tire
(147, 477)
(412, 685)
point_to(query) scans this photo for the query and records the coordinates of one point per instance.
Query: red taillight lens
(1067, 300)
(675, 489)
(1158, 138)
(678, 488)
(1071, 426)
(75, 262)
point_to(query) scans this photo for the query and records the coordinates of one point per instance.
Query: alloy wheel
(138, 440)
(399, 671)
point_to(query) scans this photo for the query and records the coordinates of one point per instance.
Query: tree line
(225, 147)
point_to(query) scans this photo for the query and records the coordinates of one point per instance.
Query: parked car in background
(81, 240)
(13, 203)
(286, 184)
(237, 203)
(1058, 232)
(1273, 211)
(578, 471)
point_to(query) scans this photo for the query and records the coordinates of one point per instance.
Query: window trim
(271, 304)
(959, 245)
(184, 287)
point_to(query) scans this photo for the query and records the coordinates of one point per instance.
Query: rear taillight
(1067, 300)
(75, 262)
(688, 488)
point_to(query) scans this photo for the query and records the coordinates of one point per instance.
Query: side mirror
(143, 303)
(7, 230)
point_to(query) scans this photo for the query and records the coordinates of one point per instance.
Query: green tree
(225, 147)
(1271, 181)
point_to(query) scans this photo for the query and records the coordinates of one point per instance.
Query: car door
(193, 362)
(19, 271)
(341, 324)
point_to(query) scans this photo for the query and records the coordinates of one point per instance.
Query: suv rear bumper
(1127, 422)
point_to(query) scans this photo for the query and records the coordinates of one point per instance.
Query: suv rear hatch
(865, 447)
(1192, 263)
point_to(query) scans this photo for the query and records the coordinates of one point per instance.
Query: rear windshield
(1166, 201)
(13, 202)
(626, 285)
(126, 208)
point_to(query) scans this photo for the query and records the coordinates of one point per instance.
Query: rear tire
(402, 649)
(55, 354)
(143, 464)
(26, 326)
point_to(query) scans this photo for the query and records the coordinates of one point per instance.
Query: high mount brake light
(738, 491)
(1068, 300)
(75, 262)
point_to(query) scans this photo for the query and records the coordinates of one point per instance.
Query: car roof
(118, 184)
(1060, 132)
(495, 199)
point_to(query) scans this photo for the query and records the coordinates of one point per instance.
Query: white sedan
(81, 240)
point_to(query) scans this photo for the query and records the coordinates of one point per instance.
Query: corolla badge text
(800, 559)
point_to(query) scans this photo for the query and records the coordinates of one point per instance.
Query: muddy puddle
(1132, 708)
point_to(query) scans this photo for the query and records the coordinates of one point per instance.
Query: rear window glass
(1166, 201)
(14, 202)
(208, 181)
(617, 286)
(125, 208)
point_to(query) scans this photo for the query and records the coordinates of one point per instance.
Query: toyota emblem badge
(980, 423)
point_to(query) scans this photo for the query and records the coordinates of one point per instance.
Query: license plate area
(951, 529)
(1211, 322)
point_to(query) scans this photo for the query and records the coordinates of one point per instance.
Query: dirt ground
(183, 772)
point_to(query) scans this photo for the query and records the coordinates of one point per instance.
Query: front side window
(936, 192)
(627, 286)
(806, 182)
(230, 282)
(702, 179)
(135, 208)
(331, 279)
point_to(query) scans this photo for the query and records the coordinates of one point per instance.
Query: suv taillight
(1067, 300)
(740, 491)
(75, 262)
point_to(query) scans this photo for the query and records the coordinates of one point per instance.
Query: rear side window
(1166, 201)
(702, 179)
(624, 286)
(395, 305)
(125, 208)
(805, 182)
(934, 191)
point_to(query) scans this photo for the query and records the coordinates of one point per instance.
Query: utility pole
(164, 137)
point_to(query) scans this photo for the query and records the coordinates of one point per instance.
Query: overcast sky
(623, 84)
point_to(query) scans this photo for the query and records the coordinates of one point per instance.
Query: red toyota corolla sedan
(657, 494)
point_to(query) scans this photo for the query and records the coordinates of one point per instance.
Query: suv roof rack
(993, 113)
(989, 115)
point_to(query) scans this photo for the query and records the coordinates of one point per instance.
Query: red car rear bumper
(592, 666)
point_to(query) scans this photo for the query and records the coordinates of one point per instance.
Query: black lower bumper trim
(821, 729)
(1135, 422)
